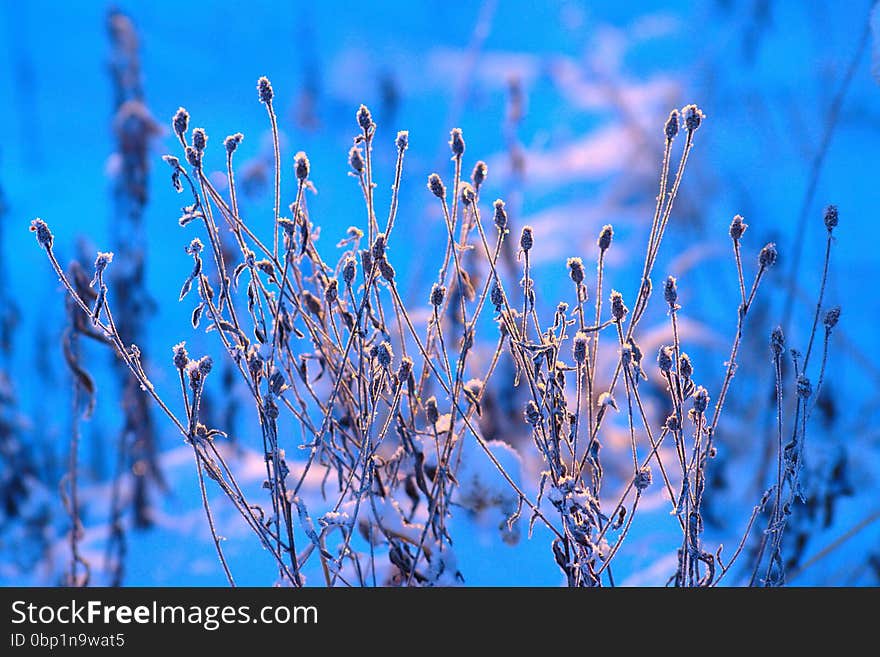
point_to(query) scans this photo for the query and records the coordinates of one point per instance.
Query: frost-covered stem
(731, 363)
(480, 441)
(210, 516)
(116, 340)
(395, 191)
(276, 150)
(819, 300)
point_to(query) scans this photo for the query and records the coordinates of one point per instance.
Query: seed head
(180, 122)
(670, 291)
(605, 237)
(607, 399)
(474, 388)
(435, 184)
(264, 88)
(386, 270)
(804, 387)
(831, 318)
(438, 293)
(456, 142)
(101, 262)
(500, 215)
(432, 414)
(701, 400)
(206, 364)
(349, 269)
(195, 247)
(672, 125)
(181, 358)
(737, 227)
(636, 350)
(777, 342)
(366, 262)
(532, 413)
(194, 157)
(331, 292)
(402, 140)
(685, 367)
(478, 177)
(404, 369)
(356, 159)
(44, 235)
(693, 117)
(384, 354)
(831, 217)
(526, 239)
(496, 296)
(576, 270)
(643, 478)
(378, 248)
(672, 423)
(232, 142)
(664, 359)
(364, 118)
(626, 355)
(767, 257)
(618, 309)
(579, 348)
(199, 139)
(301, 166)
(468, 195)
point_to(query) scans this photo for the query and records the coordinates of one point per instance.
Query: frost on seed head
(693, 117)
(180, 356)
(670, 291)
(435, 184)
(364, 118)
(199, 139)
(500, 215)
(737, 227)
(264, 90)
(664, 359)
(232, 142)
(527, 239)
(356, 160)
(643, 478)
(605, 237)
(618, 309)
(180, 122)
(672, 124)
(478, 177)
(777, 342)
(832, 316)
(579, 347)
(605, 399)
(456, 142)
(44, 235)
(402, 140)
(576, 269)
(301, 166)
(830, 217)
(768, 255)
(468, 195)
(384, 354)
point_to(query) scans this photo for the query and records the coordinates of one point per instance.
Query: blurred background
(565, 101)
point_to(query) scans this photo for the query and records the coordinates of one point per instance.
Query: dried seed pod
(768, 255)
(737, 227)
(605, 237)
(264, 89)
(579, 347)
(618, 309)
